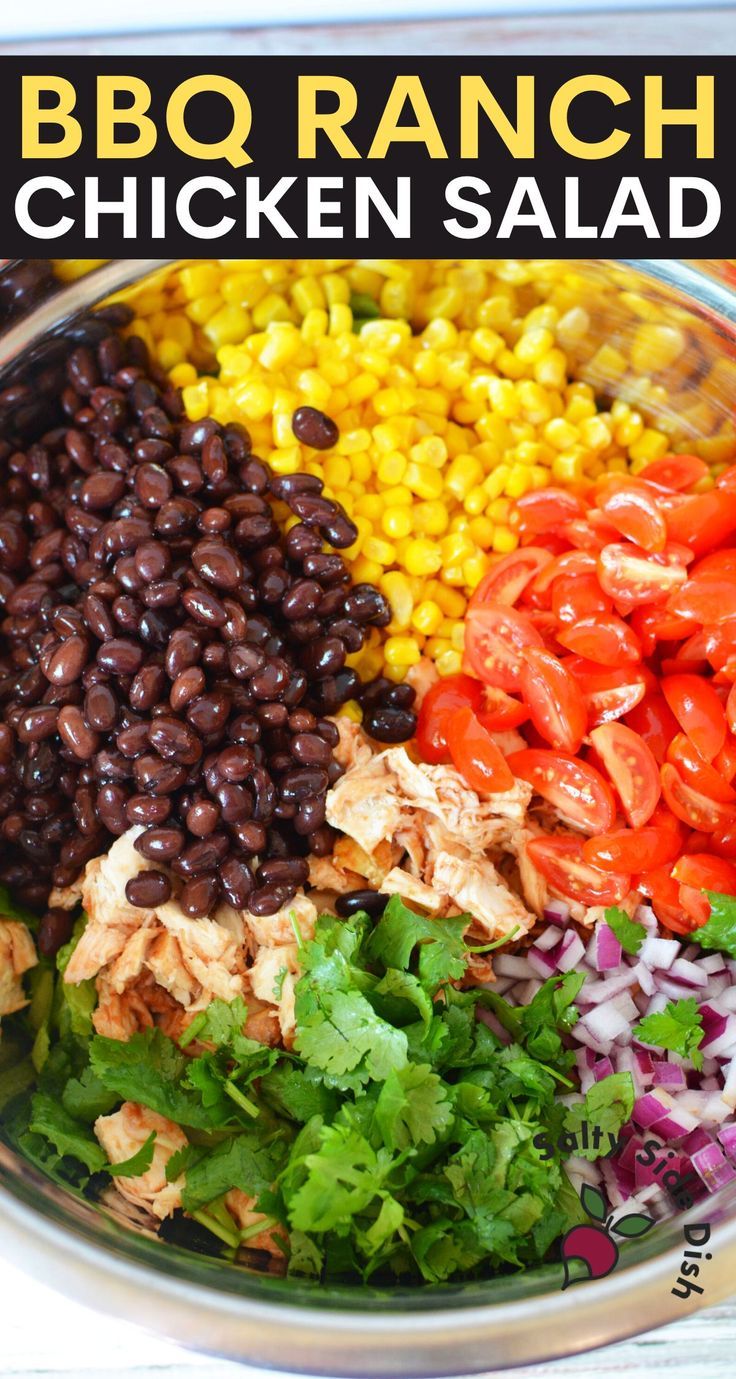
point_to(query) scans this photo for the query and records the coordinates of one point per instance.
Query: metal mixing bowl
(92, 1254)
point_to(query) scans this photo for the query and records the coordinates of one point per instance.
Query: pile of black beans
(168, 656)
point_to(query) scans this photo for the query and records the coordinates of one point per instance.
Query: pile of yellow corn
(456, 389)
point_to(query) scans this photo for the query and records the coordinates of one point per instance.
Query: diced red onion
(543, 964)
(727, 1137)
(674, 991)
(595, 992)
(549, 938)
(668, 1075)
(488, 1018)
(729, 1085)
(712, 1167)
(608, 951)
(511, 965)
(675, 1124)
(688, 972)
(696, 1140)
(571, 951)
(658, 954)
(605, 1022)
(651, 1107)
(714, 962)
(557, 912)
(603, 1068)
(524, 992)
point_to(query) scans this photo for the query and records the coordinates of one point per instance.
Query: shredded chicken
(446, 834)
(273, 978)
(17, 955)
(123, 1134)
(241, 1209)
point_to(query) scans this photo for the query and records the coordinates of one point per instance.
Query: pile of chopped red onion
(688, 1111)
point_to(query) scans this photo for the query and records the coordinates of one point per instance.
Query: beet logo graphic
(592, 1248)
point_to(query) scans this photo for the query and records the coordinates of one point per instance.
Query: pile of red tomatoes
(608, 639)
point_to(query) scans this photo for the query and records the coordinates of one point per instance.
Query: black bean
(372, 903)
(54, 931)
(199, 896)
(160, 843)
(237, 882)
(309, 749)
(299, 784)
(365, 604)
(314, 428)
(390, 724)
(174, 740)
(267, 900)
(325, 656)
(148, 889)
(147, 809)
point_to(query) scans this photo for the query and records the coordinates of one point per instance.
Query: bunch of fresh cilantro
(396, 1139)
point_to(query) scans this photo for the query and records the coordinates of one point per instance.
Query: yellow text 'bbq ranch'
(327, 106)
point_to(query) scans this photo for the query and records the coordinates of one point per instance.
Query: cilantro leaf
(347, 1040)
(238, 1162)
(607, 1105)
(343, 1177)
(68, 1136)
(629, 934)
(719, 931)
(440, 941)
(149, 1068)
(85, 1098)
(679, 1028)
(137, 1164)
(413, 1107)
(76, 1002)
(298, 1093)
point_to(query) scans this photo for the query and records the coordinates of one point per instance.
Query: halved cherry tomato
(675, 471)
(700, 872)
(561, 862)
(495, 637)
(633, 510)
(723, 840)
(631, 576)
(476, 756)
(706, 598)
(697, 708)
(577, 791)
(554, 699)
(706, 873)
(442, 699)
(731, 708)
(500, 710)
(721, 562)
(664, 893)
(569, 563)
(725, 762)
(607, 640)
(654, 720)
(694, 808)
(655, 624)
(703, 521)
(578, 596)
(545, 510)
(632, 849)
(697, 771)
(508, 578)
(632, 768)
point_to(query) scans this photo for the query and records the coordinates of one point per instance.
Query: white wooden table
(45, 1336)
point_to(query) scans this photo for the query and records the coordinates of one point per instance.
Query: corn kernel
(397, 522)
(427, 617)
(401, 651)
(382, 552)
(505, 540)
(397, 589)
(423, 557)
